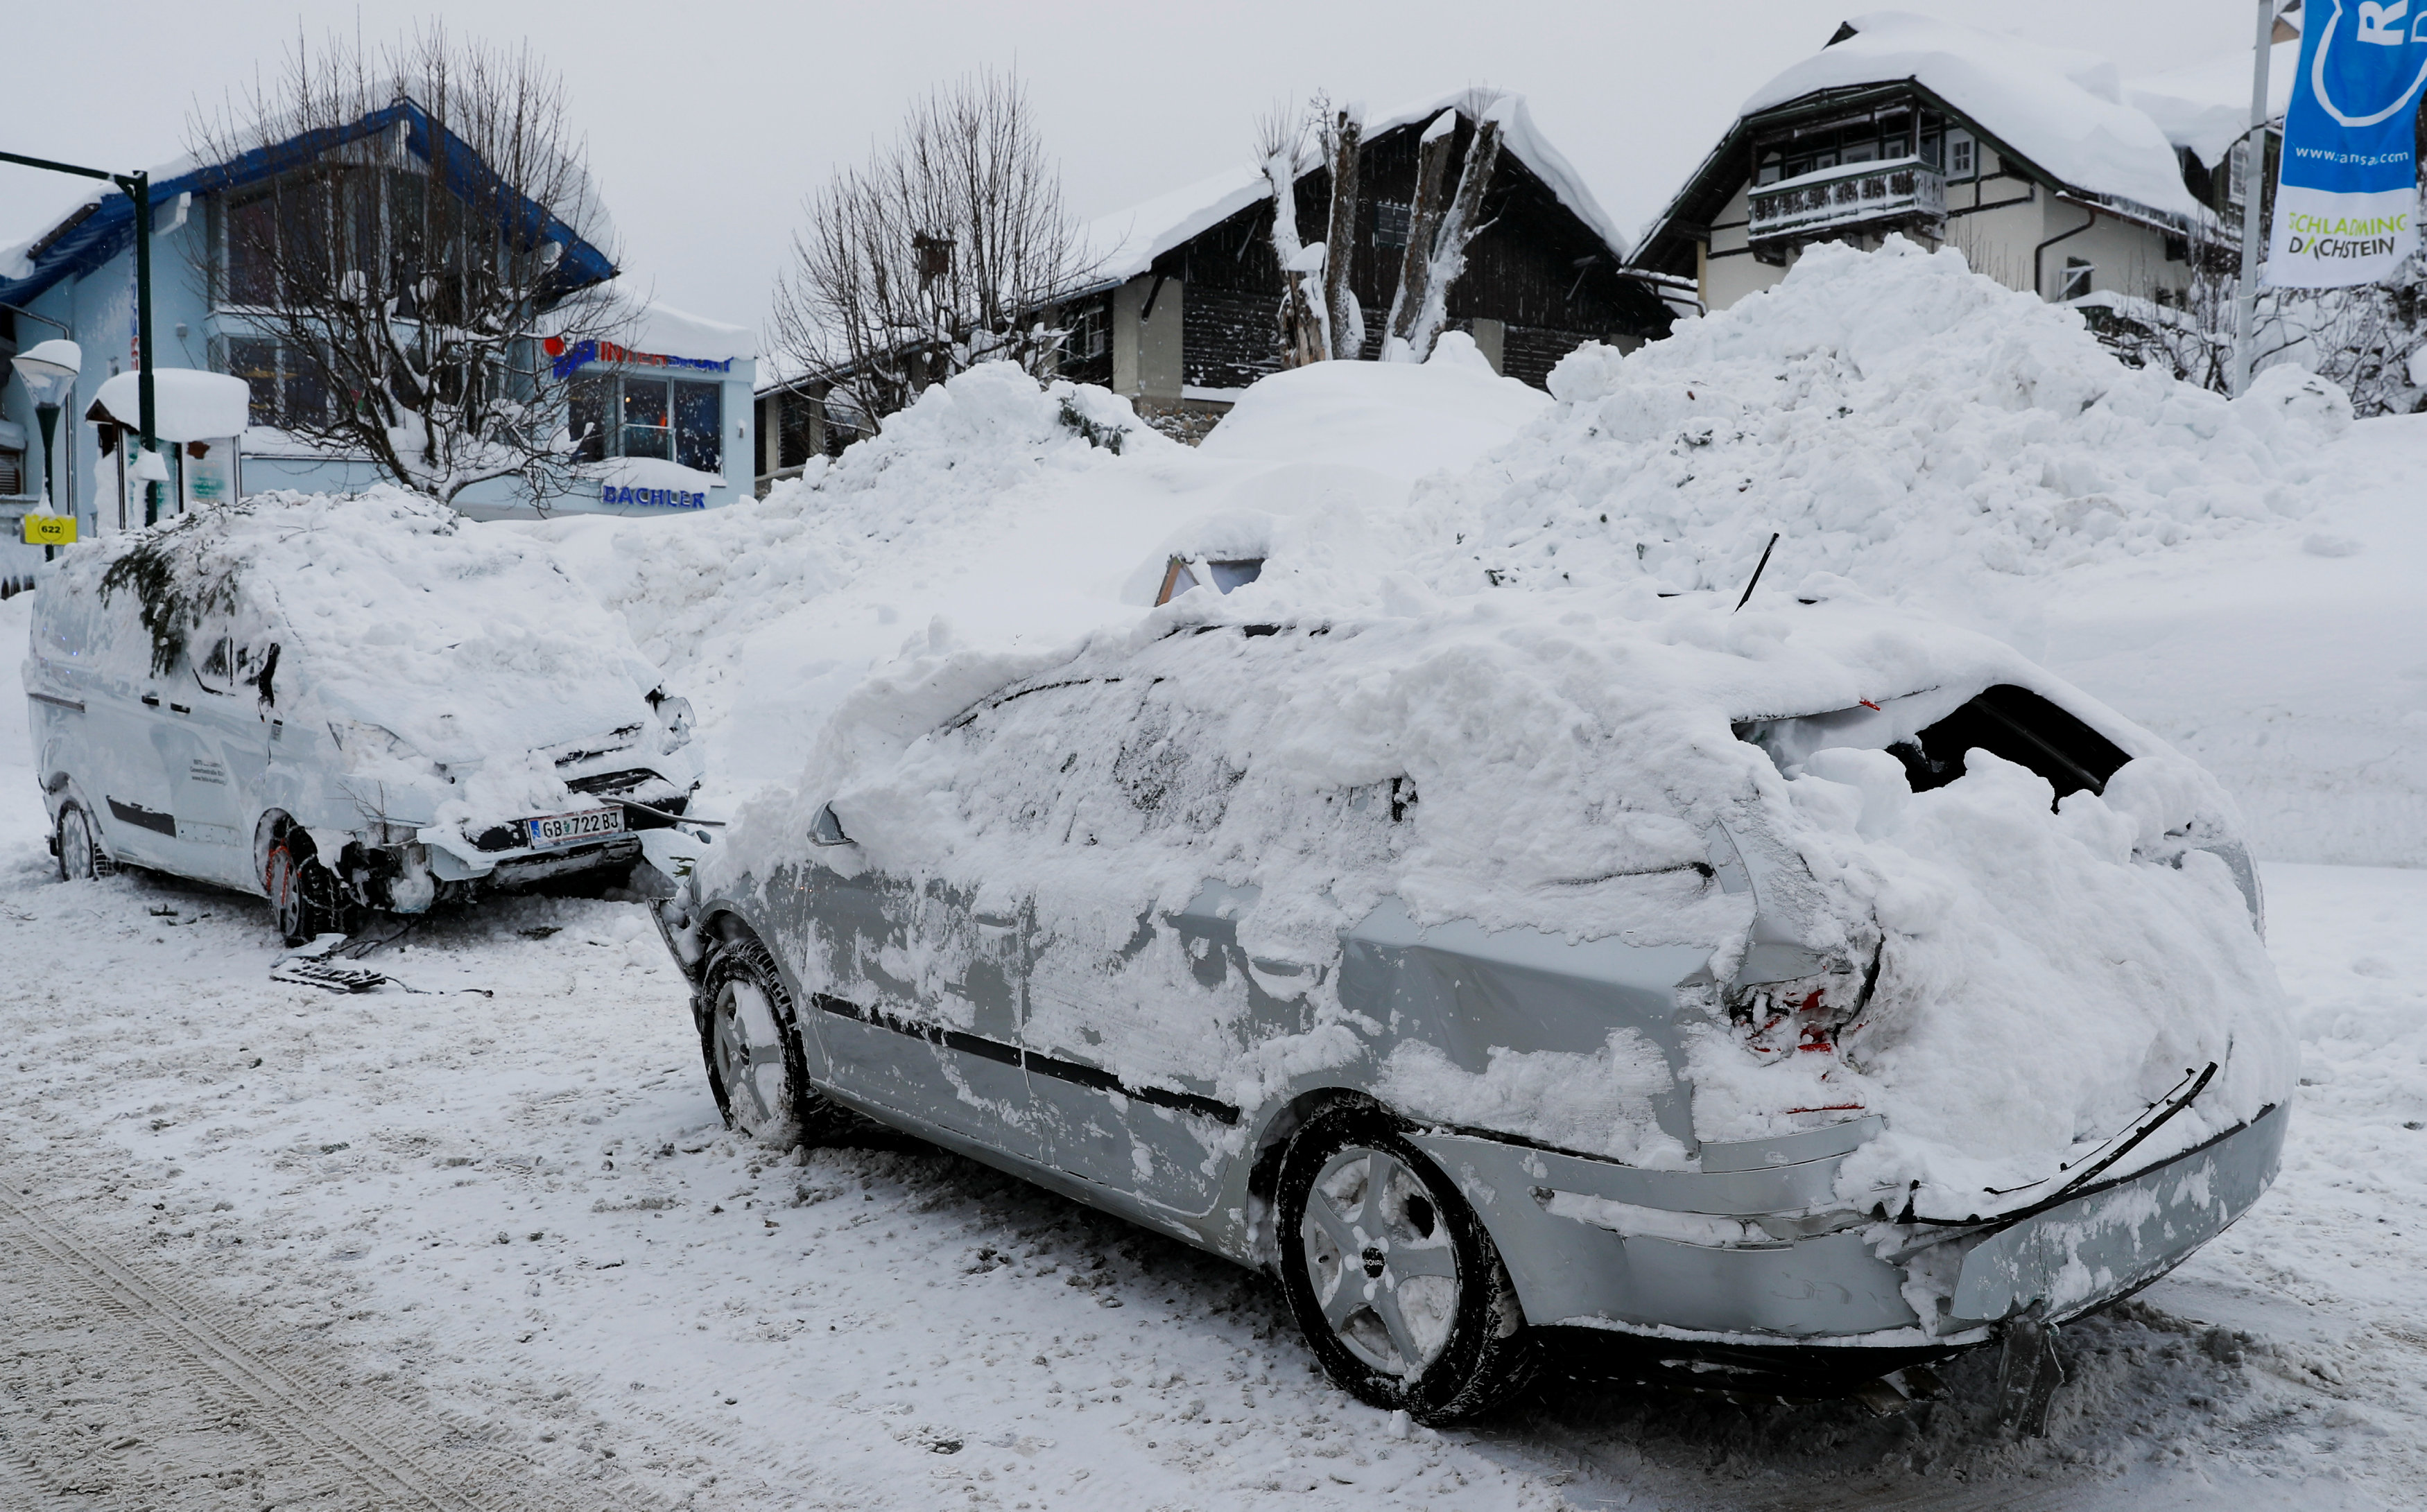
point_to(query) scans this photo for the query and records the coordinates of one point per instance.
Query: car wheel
(79, 847)
(751, 1038)
(303, 897)
(1398, 1288)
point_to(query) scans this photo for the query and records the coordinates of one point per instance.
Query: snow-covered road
(490, 1236)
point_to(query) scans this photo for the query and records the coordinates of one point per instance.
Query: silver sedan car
(1429, 1259)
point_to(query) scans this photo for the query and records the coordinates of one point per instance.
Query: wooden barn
(1184, 312)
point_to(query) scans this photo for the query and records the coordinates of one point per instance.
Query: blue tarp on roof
(108, 230)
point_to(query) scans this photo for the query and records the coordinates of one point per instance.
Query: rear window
(2009, 723)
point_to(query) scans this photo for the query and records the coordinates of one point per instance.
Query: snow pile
(1901, 421)
(1571, 759)
(1022, 516)
(468, 644)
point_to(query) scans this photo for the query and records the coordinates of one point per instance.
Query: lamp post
(138, 187)
(49, 372)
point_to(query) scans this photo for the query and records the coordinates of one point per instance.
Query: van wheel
(79, 847)
(1398, 1288)
(750, 1036)
(303, 897)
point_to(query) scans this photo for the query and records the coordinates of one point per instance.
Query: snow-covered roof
(187, 403)
(1127, 242)
(647, 325)
(2205, 107)
(581, 221)
(2064, 110)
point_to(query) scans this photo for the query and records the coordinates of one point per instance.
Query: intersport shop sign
(2347, 192)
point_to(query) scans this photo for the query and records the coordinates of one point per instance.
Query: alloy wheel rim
(742, 1055)
(1380, 1261)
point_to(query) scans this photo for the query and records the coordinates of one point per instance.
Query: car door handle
(179, 709)
(151, 700)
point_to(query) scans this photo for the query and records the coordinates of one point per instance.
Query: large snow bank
(467, 643)
(2062, 110)
(1002, 507)
(1903, 422)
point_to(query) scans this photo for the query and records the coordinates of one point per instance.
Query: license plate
(566, 829)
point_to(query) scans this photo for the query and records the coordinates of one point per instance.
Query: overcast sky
(708, 120)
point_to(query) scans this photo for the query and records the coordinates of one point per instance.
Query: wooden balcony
(1877, 197)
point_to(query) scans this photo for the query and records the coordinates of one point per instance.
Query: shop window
(627, 414)
(12, 473)
(699, 425)
(585, 415)
(646, 431)
(2078, 273)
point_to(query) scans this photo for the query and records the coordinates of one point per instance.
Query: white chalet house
(2045, 166)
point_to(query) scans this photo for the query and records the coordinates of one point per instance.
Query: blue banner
(2347, 191)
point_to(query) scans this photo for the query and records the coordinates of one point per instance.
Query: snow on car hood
(467, 643)
(2043, 970)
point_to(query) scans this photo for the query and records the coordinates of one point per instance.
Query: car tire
(78, 846)
(750, 1036)
(1394, 1281)
(303, 902)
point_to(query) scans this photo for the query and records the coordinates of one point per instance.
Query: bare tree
(949, 248)
(1344, 132)
(429, 226)
(1305, 327)
(1423, 219)
(1440, 259)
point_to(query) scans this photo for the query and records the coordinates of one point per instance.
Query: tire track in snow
(214, 1412)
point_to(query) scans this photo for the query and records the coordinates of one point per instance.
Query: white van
(344, 705)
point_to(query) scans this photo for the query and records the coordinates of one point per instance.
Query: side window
(214, 659)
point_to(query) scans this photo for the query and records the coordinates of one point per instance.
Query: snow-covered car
(344, 704)
(1774, 1001)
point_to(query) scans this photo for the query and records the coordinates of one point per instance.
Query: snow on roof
(1128, 241)
(2205, 107)
(2062, 110)
(187, 404)
(583, 213)
(646, 325)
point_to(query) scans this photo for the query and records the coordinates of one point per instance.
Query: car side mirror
(827, 830)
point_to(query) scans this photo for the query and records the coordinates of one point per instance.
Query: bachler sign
(2347, 192)
(672, 498)
(570, 360)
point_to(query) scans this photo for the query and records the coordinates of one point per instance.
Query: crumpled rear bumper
(2117, 1238)
(1596, 1244)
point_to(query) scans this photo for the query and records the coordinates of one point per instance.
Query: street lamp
(49, 371)
(138, 187)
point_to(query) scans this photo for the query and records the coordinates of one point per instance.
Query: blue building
(663, 415)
